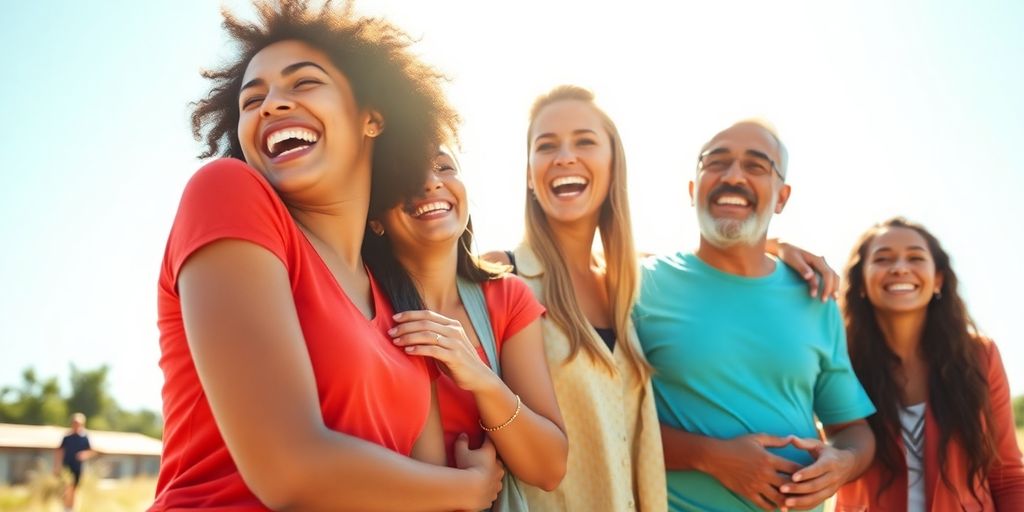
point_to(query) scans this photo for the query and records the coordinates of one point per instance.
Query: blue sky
(911, 108)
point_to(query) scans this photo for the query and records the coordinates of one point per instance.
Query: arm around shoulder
(242, 327)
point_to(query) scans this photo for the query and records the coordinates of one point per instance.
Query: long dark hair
(384, 73)
(957, 383)
(398, 285)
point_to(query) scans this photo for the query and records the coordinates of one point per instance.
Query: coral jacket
(1005, 490)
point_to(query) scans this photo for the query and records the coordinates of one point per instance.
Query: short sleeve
(64, 443)
(511, 305)
(226, 199)
(838, 394)
(86, 445)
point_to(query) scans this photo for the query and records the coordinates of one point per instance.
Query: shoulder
(226, 172)
(507, 288)
(667, 263)
(989, 354)
(500, 257)
(227, 184)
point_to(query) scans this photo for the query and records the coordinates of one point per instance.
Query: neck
(575, 243)
(747, 260)
(334, 212)
(338, 227)
(434, 271)
(902, 332)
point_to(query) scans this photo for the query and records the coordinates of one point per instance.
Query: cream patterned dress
(615, 458)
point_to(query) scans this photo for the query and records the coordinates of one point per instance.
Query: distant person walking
(73, 450)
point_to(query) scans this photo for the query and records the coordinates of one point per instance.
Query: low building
(24, 448)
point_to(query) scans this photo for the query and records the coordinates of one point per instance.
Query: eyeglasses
(753, 163)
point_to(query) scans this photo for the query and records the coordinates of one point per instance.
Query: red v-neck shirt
(367, 387)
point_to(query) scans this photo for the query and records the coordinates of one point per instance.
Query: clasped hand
(430, 334)
(746, 467)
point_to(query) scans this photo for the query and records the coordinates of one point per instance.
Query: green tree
(36, 402)
(89, 396)
(40, 402)
(1018, 411)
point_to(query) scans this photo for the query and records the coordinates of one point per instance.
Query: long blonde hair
(620, 258)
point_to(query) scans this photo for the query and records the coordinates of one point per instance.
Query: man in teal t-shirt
(743, 359)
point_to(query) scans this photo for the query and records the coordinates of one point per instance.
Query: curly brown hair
(957, 382)
(384, 74)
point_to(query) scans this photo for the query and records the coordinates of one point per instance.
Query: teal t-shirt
(735, 355)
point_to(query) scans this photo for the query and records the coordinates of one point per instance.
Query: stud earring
(938, 295)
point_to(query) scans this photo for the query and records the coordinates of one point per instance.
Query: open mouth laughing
(289, 141)
(429, 210)
(569, 186)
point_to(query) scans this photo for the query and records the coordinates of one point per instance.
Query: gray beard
(725, 233)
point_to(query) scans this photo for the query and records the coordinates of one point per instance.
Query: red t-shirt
(511, 306)
(367, 387)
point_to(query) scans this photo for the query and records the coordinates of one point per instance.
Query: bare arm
(741, 464)
(848, 453)
(58, 460)
(533, 446)
(242, 327)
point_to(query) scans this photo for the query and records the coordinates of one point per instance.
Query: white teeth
(292, 150)
(901, 287)
(274, 138)
(569, 180)
(733, 200)
(432, 207)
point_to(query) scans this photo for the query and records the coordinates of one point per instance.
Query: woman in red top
(944, 427)
(420, 247)
(282, 391)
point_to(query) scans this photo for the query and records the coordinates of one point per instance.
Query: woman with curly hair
(282, 389)
(944, 427)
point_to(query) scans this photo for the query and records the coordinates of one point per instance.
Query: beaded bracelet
(519, 405)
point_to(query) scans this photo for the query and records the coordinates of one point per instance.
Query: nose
(734, 173)
(899, 267)
(275, 103)
(565, 156)
(433, 182)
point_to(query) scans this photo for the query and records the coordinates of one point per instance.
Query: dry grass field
(108, 495)
(41, 495)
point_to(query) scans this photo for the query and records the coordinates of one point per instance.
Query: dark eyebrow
(288, 70)
(759, 154)
(911, 248)
(716, 151)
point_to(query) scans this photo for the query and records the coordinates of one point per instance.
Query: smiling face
(570, 161)
(436, 217)
(899, 271)
(737, 189)
(299, 123)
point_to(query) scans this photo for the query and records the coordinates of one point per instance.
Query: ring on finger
(437, 338)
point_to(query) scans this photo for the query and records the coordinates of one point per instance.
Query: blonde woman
(576, 180)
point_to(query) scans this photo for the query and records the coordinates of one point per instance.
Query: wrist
(848, 463)
(707, 455)
(490, 387)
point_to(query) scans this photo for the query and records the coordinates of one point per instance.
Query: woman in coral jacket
(944, 424)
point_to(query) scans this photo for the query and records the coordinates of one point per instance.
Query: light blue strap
(476, 307)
